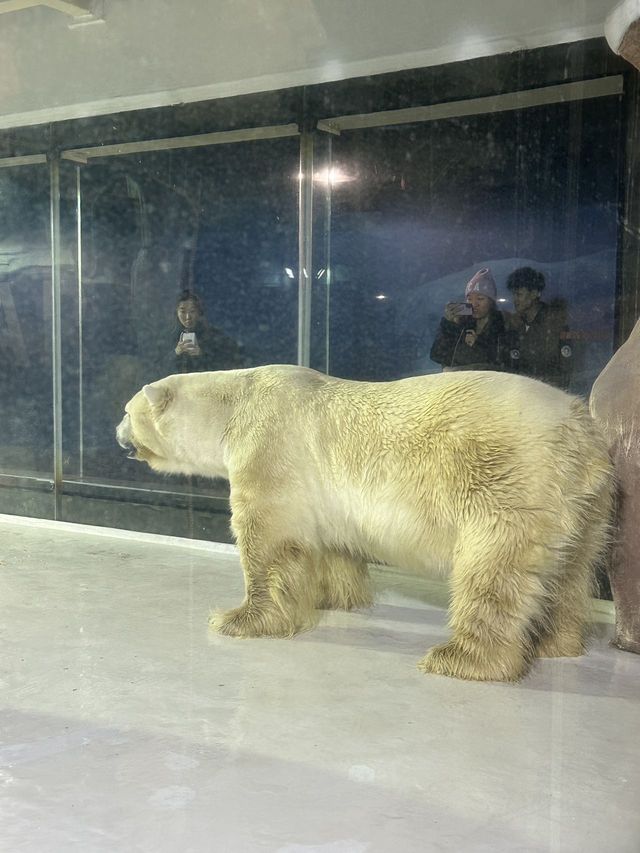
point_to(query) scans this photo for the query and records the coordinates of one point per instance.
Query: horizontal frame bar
(82, 155)
(562, 93)
(26, 481)
(27, 160)
(77, 485)
(224, 137)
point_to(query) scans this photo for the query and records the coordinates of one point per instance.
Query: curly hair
(526, 277)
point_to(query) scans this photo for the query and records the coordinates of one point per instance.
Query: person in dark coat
(537, 341)
(201, 346)
(471, 334)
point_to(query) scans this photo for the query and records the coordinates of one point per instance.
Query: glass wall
(334, 240)
(219, 222)
(26, 402)
(417, 209)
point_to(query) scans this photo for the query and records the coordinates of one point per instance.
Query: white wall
(155, 52)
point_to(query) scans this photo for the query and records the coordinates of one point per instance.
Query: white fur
(506, 478)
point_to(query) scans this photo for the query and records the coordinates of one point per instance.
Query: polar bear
(503, 478)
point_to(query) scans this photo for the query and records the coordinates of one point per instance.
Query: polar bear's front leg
(281, 592)
(250, 620)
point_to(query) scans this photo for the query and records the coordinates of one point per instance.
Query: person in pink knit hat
(471, 333)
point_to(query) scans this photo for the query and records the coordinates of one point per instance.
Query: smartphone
(188, 338)
(462, 309)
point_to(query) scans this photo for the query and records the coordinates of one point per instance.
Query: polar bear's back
(480, 405)
(485, 407)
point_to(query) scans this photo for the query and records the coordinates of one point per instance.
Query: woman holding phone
(201, 346)
(471, 333)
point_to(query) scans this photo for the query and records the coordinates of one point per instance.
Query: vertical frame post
(56, 328)
(305, 248)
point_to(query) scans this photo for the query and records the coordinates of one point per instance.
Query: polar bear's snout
(123, 435)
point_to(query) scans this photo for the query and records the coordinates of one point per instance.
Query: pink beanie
(482, 282)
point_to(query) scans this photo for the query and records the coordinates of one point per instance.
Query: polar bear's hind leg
(499, 601)
(570, 610)
(344, 583)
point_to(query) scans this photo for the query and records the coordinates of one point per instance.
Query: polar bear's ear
(157, 395)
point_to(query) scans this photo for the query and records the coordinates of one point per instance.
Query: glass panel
(218, 222)
(26, 445)
(417, 209)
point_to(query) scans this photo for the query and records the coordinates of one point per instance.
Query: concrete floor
(127, 726)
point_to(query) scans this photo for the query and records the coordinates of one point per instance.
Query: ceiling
(140, 53)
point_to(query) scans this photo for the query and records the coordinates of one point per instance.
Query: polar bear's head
(176, 425)
(141, 429)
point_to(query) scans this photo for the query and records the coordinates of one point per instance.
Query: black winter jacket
(450, 350)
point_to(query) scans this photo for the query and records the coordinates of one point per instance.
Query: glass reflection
(25, 322)
(210, 229)
(435, 202)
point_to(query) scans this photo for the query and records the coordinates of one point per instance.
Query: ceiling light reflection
(330, 177)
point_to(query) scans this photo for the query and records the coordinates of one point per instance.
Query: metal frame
(563, 93)
(329, 267)
(305, 248)
(224, 137)
(27, 160)
(56, 329)
(80, 321)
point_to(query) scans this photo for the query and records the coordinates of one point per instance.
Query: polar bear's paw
(474, 665)
(247, 621)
